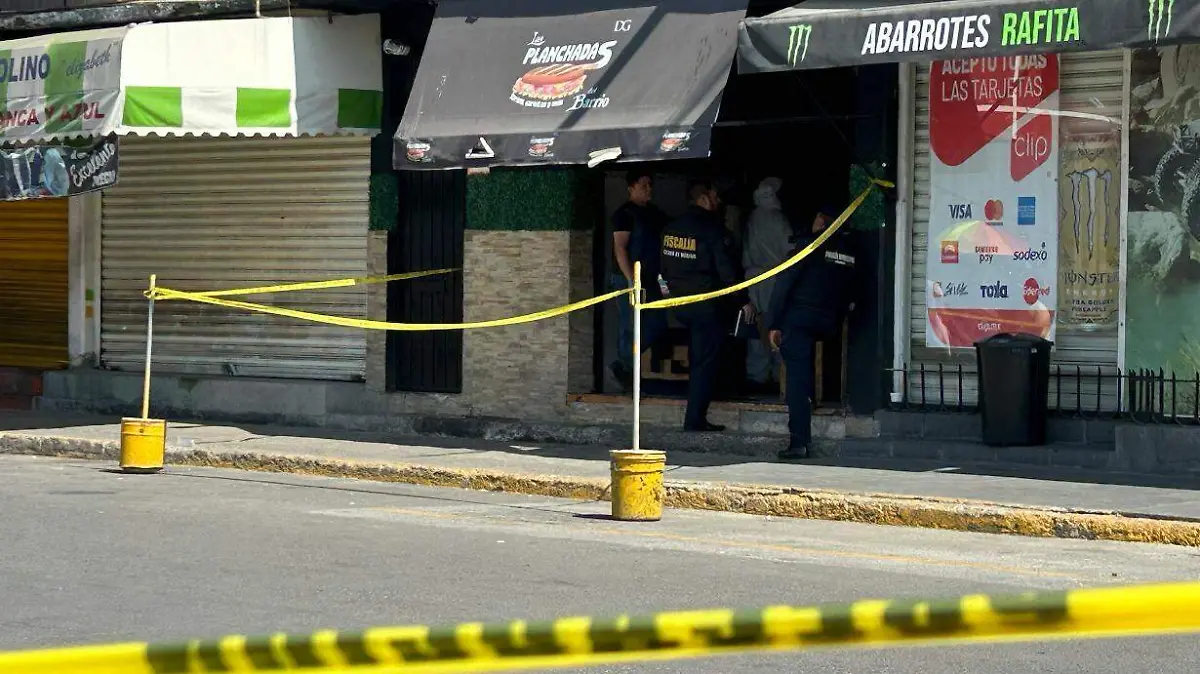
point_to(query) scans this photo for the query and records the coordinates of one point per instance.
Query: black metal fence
(1142, 396)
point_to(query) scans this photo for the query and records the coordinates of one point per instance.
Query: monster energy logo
(798, 38)
(1160, 9)
(1099, 190)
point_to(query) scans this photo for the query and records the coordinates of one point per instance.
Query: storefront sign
(43, 171)
(993, 245)
(839, 34)
(52, 88)
(1089, 230)
(533, 83)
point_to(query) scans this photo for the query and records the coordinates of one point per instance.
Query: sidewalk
(1028, 501)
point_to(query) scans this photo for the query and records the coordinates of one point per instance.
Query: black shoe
(794, 454)
(623, 376)
(703, 428)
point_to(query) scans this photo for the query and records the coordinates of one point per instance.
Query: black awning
(511, 82)
(834, 33)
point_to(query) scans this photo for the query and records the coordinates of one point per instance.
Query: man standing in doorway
(808, 305)
(637, 232)
(695, 260)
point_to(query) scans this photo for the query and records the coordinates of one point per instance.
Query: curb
(864, 508)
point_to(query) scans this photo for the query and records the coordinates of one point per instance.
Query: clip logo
(798, 39)
(1160, 9)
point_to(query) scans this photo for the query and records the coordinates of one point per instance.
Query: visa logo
(960, 212)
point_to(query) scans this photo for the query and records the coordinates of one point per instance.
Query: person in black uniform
(696, 259)
(637, 232)
(808, 305)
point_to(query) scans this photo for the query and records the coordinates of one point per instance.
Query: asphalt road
(90, 556)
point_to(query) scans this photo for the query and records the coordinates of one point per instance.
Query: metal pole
(637, 356)
(149, 344)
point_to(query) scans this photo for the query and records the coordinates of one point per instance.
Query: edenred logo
(993, 211)
(972, 103)
(949, 252)
(1034, 291)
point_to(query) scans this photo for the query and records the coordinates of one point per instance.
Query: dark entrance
(810, 129)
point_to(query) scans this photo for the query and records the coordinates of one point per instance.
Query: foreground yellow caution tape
(168, 294)
(579, 642)
(325, 285)
(832, 229)
(214, 297)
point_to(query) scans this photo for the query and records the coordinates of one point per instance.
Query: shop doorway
(798, 127)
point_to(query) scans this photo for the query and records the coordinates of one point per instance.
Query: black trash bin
(1014, 384)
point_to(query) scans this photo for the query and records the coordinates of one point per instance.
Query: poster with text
(993, 222)
(1089, 227)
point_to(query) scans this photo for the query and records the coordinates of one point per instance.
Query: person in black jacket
(695, 260)
(809, 304)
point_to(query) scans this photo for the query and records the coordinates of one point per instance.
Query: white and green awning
(276, 76)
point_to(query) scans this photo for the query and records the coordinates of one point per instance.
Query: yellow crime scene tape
(583, 641)
(215, 297)
(832, 229)
(325, 285)
(365, 324)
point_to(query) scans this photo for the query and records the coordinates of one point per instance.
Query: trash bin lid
(1006, 340)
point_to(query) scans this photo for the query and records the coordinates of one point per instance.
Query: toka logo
(996, 290)
(1099, 191)
(798, 39)
(1161, 13)
(1033, 291)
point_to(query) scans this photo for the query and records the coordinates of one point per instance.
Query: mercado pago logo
(1055, 26)
(558, 73)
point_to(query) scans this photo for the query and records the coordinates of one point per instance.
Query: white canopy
(275, 76)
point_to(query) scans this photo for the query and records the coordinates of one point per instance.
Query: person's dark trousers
(654, 323)
(798, 351)
(704, 350)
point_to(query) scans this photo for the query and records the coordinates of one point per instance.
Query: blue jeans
(654, 323)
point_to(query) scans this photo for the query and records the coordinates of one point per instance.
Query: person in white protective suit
(768, 243)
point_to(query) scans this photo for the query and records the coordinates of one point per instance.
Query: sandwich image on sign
(553, 82)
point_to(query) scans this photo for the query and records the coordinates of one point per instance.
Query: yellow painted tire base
(637, 485)
(143, 445)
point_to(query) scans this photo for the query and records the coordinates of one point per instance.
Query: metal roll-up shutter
(33, 283)
(1090, 83)
(220, 213)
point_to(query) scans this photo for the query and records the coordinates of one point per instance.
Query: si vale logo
(949, 289)
(798, 38)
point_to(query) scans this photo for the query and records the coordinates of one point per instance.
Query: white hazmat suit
(768, 244)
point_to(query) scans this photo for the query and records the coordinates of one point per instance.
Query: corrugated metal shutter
(218, 213)
(1092, 83)
(33, 283)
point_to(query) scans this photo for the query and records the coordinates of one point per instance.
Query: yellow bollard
(637, 484)
(143, 445)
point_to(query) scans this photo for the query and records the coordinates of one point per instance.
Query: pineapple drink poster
(992, 250)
